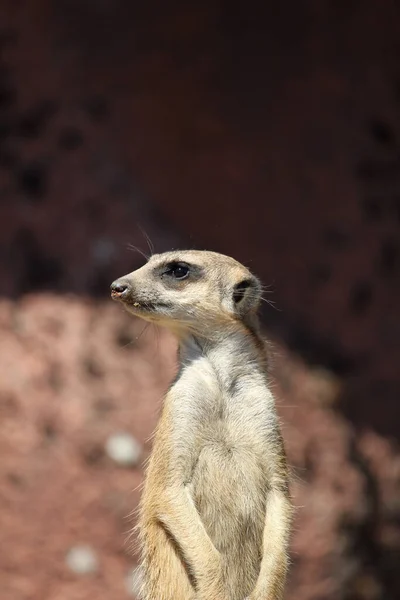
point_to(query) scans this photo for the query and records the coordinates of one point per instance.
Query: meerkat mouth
(120, 297)
(141, 306)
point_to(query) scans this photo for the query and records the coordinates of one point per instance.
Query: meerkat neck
(238, 351)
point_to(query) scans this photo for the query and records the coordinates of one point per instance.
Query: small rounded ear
(246, 295)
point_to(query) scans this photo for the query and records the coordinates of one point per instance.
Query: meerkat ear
(246, 295)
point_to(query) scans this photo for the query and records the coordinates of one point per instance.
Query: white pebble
(82, 560)
(134, 582)
(124, 449)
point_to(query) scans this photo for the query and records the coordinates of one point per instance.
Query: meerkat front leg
(181, 519)
(183, 564)
(180, 561)
(271, 580)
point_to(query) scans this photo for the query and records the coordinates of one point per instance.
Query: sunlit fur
(215, 513)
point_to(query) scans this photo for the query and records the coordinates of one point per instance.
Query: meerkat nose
(119, 288)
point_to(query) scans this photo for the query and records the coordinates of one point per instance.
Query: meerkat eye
(178, 270)
(239, 290)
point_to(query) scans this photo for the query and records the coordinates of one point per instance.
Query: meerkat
(215, 513)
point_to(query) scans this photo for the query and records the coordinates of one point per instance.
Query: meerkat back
(215, 513)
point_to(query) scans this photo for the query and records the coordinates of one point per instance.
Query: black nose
(119, 287)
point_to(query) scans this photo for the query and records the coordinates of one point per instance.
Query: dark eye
(177, 270)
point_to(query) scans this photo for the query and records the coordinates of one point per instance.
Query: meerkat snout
(119, 288)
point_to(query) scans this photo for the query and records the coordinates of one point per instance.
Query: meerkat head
(195, 291)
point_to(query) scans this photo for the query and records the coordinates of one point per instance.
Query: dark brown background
(268, 131)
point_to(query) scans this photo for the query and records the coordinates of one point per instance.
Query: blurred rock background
(269, 131)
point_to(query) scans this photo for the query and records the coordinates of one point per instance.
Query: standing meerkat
(215, 513)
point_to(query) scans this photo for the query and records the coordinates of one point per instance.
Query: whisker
(271, 303)
(148, 240)
(131, 343)
(157, 336)
(136, 249)
(147, 325)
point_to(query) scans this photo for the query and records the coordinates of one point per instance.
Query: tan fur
(215, 513)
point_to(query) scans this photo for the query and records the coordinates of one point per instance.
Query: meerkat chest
(234, 414)
(220, 434)
(226, 428)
